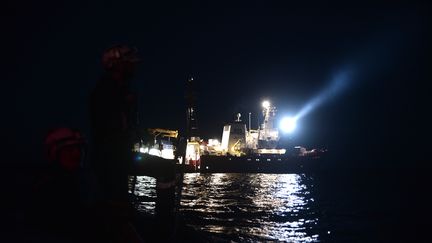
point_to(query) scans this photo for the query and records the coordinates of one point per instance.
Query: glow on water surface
(247, 207)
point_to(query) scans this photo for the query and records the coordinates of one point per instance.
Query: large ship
(244, 149)
(241, 149)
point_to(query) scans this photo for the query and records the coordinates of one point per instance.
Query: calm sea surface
(247, 206)
(334, 205)
(347, 207)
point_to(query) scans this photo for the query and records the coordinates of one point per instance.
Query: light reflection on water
(146, 186)
(247, 207)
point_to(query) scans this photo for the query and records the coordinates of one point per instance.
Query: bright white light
(155, 152)
(266, 104)
(213, 142)
(288, 124)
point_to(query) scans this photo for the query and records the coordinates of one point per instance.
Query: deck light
(266, 104)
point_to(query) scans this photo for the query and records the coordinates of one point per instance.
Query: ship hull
(258, 164)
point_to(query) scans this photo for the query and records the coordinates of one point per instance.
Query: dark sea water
(252, 206)
(354, 206)
(350, 205)
(245, 207)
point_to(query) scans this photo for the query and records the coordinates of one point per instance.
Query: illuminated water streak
(245, 207)
(251, 207)
(146, 187)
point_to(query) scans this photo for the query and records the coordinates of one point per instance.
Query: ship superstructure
(249, 150)
(237, 140)
(268, 133)
(234, 138)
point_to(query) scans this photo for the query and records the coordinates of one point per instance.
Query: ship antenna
(250, 121)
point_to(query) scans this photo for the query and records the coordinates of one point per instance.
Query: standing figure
(113, 111)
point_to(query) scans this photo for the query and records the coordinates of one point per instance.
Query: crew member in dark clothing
(112, 110)
(113, 115)
(61, 201)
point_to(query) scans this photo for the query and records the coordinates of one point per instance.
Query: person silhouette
(113, 110)
(61, 197)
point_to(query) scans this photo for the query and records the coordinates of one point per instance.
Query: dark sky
(239, 53)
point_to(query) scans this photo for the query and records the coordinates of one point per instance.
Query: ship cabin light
(213, 142)
(167, 153)
(193, 151)
(155, 152)
(143, 150)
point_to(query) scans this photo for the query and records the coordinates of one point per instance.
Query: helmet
(59, 138)
(119, 53)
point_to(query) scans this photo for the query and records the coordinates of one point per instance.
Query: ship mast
(192, 156)
(268, 133)
(191, 119)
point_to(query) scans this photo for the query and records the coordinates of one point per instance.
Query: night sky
(239, 54)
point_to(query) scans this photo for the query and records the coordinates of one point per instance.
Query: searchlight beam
(338, 84)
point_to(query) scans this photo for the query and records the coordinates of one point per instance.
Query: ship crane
(161, 148)
(163, 133)
(237, 148)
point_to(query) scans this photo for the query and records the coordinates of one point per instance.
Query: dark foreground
(20, 222)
